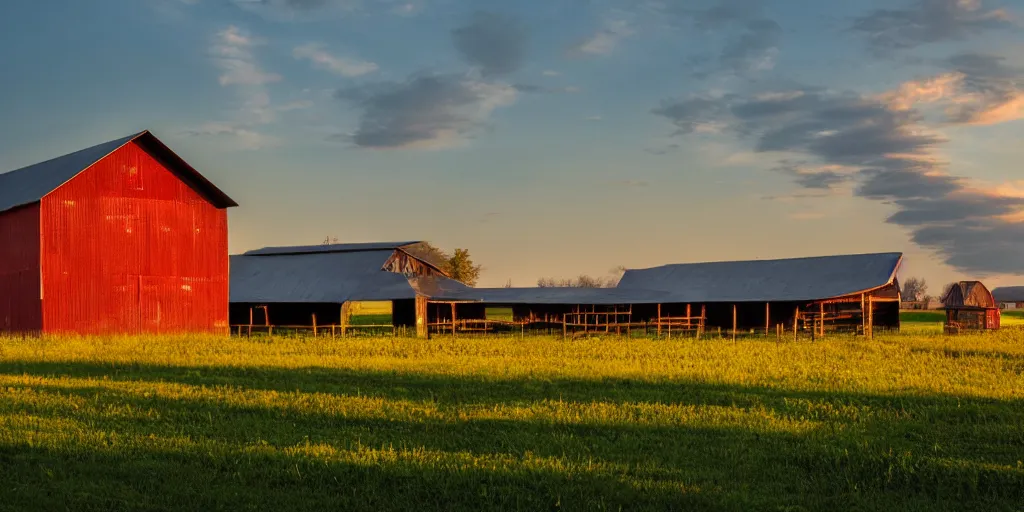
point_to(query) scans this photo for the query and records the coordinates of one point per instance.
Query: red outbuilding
(122, 237)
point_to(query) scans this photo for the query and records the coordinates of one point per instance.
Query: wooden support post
(863, 317)
(734, 322)
(250, 316)
(344, 318)
(422, 329)
(703, 319)
(659, 320)
(821, 319)
(314, 325)
(688, 317)
(453, 319)
(871, 318)
(796, 320)
(767, 318)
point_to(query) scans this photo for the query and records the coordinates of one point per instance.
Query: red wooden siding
(992, 319)
(128, 247)
(20, 307)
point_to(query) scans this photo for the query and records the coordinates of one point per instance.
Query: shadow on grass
(223, 479)
(878, 452)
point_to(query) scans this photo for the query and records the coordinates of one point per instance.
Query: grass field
(905, 422)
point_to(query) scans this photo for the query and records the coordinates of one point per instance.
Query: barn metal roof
(1008, 294)
(779, 280)
(30, 184)
(561, 296)
(328, 277)
(311, 249)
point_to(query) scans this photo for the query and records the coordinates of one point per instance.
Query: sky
(558, 137)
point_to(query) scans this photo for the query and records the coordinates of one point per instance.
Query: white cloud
(322, 59)
(605, 40)
(233, 54)
(244, 138)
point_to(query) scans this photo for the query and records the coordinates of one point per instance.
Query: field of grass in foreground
(205, 423)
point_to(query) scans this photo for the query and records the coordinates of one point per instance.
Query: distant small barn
(121, 237)
(970, 306)
(1009, 297)
(313, 286)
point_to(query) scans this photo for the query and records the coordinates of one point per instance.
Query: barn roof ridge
(772, 260)
(787, 279)
(291, 250)
(30, 184)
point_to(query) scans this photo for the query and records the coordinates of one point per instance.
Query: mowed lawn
(905, 422)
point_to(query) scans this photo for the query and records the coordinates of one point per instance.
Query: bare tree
(584, 281)
(914, 289)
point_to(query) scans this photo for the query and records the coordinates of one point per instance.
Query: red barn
(122, 237)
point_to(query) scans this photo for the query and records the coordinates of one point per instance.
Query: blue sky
(558, 137)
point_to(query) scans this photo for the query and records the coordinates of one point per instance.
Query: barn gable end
(128, 238)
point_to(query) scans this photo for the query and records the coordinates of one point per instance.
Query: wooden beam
(453, 319)
(734, 322)
(767, 318)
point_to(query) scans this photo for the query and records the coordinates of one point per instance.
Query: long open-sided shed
(121, 237)
(856, 292)
(1009, 297)
(311, 285)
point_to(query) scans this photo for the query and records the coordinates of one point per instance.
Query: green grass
(906, 422)
(924, 321)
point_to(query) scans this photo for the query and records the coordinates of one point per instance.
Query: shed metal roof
(562, 296)
(328, 277)
(779, 280)
(312, 249)
(1008, 294)
(31, 184)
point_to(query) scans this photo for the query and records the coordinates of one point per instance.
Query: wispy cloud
(427, 111)
(929, 21)
(884, 151)
(550, 73)
(322, 59)
(752, 40)
(605, 40)
(232, 51)
(298, 10)
(244, 138)
(977, 89)
(494, 43)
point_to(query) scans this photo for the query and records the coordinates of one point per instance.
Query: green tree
(460, 267)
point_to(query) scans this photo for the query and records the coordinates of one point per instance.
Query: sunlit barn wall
(129, 247)
(20, 306)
